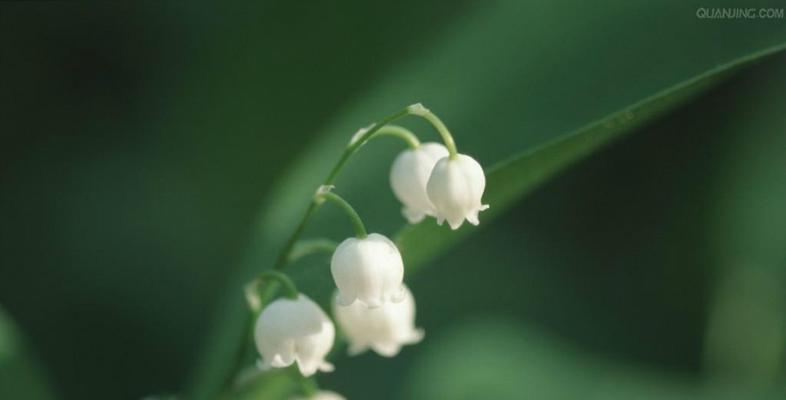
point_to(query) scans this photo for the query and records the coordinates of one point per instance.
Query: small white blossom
(290, 331)
(455, 188)
(322, 395)
(369, 270)
(384, 329)
(409, 176)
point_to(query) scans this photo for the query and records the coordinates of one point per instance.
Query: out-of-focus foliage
(139, 141)
(498, 359)
(746, 331)
(21, 377)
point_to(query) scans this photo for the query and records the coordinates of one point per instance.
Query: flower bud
(369, 270)
(296, 330)
(408, 178)
(384, 329)
(455, 189)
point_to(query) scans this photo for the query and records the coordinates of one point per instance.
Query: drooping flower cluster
(429, 182)
(372, 306)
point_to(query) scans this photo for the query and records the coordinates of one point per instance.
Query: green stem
(283, 257)
(242, 352)
(420, 111)
(252, 288)
(357, 223)
(353, 146)
(307, 247)
(360, 140)
(401, 133)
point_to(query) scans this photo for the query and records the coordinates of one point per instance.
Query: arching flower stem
(324, 194)
(252, 288)
(421, 111)
(357, 141)
(401, 133)
(307, 247)
(360, 138)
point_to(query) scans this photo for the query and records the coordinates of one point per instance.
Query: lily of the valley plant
(373, 307)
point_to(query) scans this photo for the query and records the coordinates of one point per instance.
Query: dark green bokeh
(139, 142)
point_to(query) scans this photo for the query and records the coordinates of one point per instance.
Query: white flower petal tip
(308, 369)
(409, 176)
(369, 271)
(294, 331)
(384, 329)
(327, 367)
(322, 395)
(387, 349)
(417, 336)
(455, 188)
(412, 216)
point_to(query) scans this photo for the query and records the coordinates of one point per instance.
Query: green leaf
(511, 179)
(487, 76)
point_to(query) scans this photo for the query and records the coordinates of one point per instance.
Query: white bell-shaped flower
(322, 395)
(289, 331)
(455, 189)
(369, 270)
(408, 178)
(384, 329)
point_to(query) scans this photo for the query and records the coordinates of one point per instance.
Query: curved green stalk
(421, 111)
(401, 133)
(307, 247)
(252, 288)
(357, 223)
(359, 140)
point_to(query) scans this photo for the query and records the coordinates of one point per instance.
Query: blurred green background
(140, 141)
